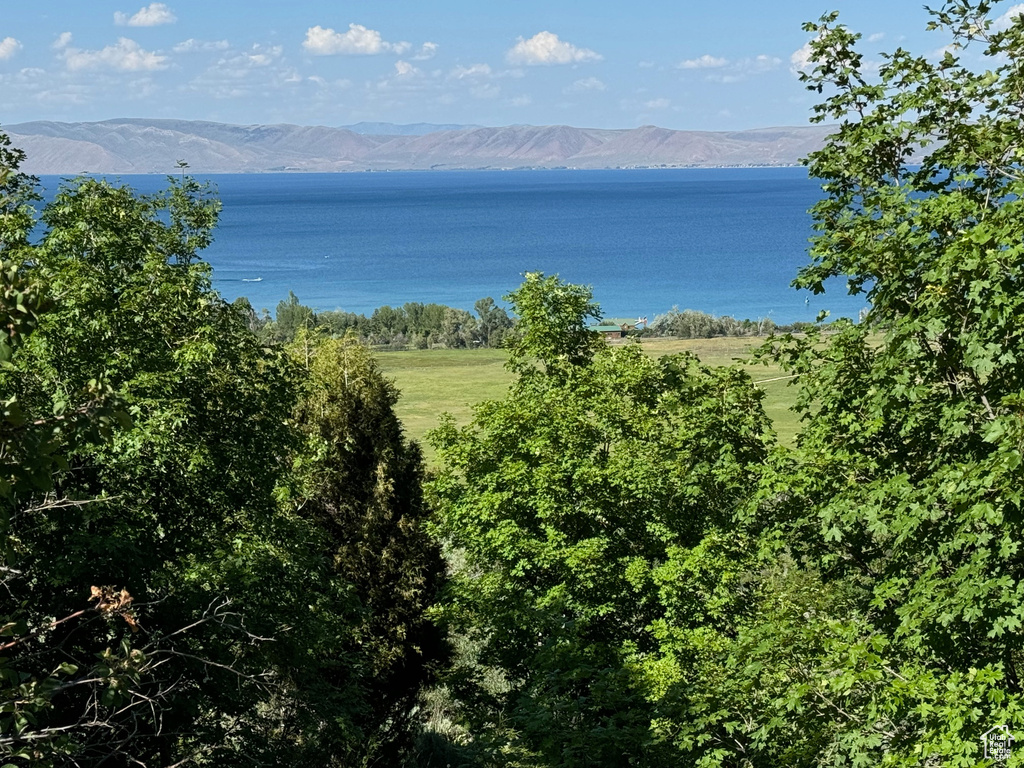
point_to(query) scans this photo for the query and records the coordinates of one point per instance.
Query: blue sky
(678, 64)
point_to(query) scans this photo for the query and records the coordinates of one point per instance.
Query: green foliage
(260, 516)
(691, 324)
(901, 512)
(553, 325)
(17, 217)
(563, 503)
(360, 484)
(494, 322)
(292, 317)
(857, 602)
(411, 325)
(637, 575)
(29, 444)
(179, 507)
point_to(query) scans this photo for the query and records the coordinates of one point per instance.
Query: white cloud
(153, 15)
(406, 80)
(253, 72)
(405, 69)
(1006, 20)
(142, 88)
(427, 51)
(587, 84)
(125, 56)
(876, 37)
(520, 101)
(657, 104)
(703, 62)
(761, 63)
(476, 70)
(8, 47)
(262, 56)
(192, 46)
(546, 48)
(645, 64)
(63, 41)
(358, 40)
(800, 60)
(740, 69)
(238, 63)
(940, 53)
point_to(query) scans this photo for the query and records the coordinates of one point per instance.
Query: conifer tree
(361, 486)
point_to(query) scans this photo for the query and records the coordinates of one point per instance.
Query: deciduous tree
(563, 503)
(179, 508)
(900, 516)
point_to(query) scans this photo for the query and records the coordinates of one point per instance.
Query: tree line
(219, 550)
(412, 326)
(425, 326)
(694, 324)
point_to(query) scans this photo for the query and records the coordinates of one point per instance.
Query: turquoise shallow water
(726, 241)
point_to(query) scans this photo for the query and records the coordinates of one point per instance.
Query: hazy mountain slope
(67, 156)
(651, 145)
(486, 148)
(156, 145)
(141, 146)
(411, 129)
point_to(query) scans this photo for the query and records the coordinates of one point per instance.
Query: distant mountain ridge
(135, 145)
(410, 129)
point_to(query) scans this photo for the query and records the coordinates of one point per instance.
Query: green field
(436, 381)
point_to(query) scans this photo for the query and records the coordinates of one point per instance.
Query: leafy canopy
(902, 509)
(562, 505)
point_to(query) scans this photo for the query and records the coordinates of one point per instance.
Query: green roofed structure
(611, 331)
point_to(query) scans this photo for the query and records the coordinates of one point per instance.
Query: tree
(27, 444)
(458, 327)
(258, 323)
(360, 484)
(561, 504)
(898, 521)
(292, 317)
(552, 327)
(30, 678)
(179, 508)
(494, 322)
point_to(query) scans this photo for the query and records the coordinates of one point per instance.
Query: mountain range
(133, 145)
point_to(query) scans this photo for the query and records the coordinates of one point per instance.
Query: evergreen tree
(361, 486)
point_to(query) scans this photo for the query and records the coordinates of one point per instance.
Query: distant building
(612, 331)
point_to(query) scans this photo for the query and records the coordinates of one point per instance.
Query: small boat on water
(252, 279)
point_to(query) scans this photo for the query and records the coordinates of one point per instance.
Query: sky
(679, 64)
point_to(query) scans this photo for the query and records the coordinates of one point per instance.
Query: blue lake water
(726, 241)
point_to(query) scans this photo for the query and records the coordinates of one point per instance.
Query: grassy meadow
(436, 381)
